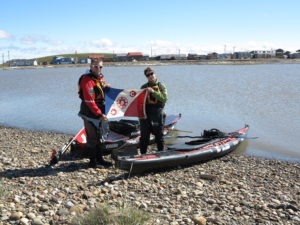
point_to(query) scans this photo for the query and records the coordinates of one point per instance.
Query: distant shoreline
(172, 62)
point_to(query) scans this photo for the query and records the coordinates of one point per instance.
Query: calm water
(267, 97)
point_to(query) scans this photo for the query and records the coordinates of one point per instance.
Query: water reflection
(242, 148)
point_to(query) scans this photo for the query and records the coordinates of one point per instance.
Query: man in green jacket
(156, 99)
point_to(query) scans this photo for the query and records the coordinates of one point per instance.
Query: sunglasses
(149, 74)
(95, 66)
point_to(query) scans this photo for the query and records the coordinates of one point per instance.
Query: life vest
(150, 98)
(98, 92)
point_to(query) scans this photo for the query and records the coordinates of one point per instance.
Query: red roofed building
(138, 56)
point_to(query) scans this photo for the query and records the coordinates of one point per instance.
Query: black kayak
(211, 144)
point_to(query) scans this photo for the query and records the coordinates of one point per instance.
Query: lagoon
(267, 97)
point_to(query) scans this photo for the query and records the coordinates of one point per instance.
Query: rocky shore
(234, 189)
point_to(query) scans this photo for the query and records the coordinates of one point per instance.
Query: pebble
(69, 205)
(16, 216)
(44, 208)
(24, 221)
(199, 220)
(76, 209)
(37, 221)
(31, 216)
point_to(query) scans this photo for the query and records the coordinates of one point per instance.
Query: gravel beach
(234, 189)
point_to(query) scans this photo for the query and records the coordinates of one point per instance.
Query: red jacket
(91, 92)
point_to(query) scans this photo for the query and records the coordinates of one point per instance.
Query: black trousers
(153, 124)
(95, 138)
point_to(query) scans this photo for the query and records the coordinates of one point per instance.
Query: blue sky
(32, 28)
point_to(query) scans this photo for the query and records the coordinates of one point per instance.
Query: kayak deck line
(183, 154)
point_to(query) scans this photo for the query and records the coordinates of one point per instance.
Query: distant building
(192, 56)
(213, 55)
(120, 57)
(135, 56)
(279, 53)
(62, 60)
(263, 54)
(24, 62)
(202, 56)
(146, 57)
(295, 55)
(172, 57)
(67, 60)
(225, 56)
(84, 61)
(107, 59)
(241, 55)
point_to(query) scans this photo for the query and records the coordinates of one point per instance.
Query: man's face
(96, 67)
(151, 76)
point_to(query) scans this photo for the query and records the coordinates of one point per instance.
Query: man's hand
(103, 117)
(149, 89)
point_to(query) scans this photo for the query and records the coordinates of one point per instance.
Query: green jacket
(161, 95)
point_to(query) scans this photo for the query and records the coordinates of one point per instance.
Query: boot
(143, 147)
(143, 151)
(102, 162)
(93, 161)
(160, 145)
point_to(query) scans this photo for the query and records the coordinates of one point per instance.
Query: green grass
(78, 56)
(106, 215)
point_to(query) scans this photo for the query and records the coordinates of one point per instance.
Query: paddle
(170, 137)
(56, 155)
(184, 131)
(226, 136)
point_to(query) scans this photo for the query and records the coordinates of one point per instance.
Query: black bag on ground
(213, 133)
(207, 136)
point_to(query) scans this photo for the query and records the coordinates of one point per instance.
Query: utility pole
(233, 49)
(224, 48)
(76, 58)
(3, 60)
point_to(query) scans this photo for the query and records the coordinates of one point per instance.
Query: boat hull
(217, 147)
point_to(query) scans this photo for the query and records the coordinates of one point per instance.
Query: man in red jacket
(92, 93)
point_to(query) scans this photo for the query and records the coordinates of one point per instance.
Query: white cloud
(261, 45)
(4, 34)
(57, 49)
(255, 45)
(164, 47)
(104, 42)
(163, 44)
(153, 47)
(33, 39)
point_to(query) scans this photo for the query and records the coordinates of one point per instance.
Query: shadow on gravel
(127, 176)
(239, 150)
(43, 171)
